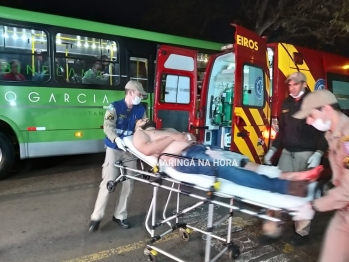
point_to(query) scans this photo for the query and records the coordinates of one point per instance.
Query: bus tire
(7, 156)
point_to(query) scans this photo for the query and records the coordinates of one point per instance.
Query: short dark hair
(336, 107)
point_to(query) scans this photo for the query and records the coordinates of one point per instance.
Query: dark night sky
(132, 13)
(124, 13)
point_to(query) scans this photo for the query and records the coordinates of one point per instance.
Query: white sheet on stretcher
(227, 187)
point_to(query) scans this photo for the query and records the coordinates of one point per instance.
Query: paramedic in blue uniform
(119, 121)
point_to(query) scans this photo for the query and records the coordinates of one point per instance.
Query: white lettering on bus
(8, 99)
(79, 98)
(35, 97)
(105, 98)
(52, 96)
(66, 97)
(31, 98)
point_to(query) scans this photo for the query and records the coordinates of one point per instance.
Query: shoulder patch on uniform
(111, 107)
(346, 162)
(110, 117)
(345, 142)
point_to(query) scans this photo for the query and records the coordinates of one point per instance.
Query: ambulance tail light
(269, 134)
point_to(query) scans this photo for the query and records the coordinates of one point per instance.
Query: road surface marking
(123, 249)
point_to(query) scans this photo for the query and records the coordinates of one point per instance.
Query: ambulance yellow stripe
(241, 144)
(266, 111)
(285, 62)
(256, 116)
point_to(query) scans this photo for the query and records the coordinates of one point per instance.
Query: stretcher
(215, 191)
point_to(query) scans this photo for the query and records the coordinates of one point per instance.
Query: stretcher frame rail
(155, 177)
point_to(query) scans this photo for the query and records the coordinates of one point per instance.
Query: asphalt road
(46, 204)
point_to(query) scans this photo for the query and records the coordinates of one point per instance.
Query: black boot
(298, 240)
(122, 223)
(94, 225)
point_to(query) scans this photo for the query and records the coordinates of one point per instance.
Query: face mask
(136, 100)
(321, 125)
(299, 95)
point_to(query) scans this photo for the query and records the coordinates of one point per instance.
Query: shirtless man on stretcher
(150, 141)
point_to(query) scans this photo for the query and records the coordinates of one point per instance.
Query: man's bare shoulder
(140, 138)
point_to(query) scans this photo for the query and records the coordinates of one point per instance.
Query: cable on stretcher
(183, 184)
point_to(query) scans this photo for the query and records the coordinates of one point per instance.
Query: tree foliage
(313, 23)
(324, 20)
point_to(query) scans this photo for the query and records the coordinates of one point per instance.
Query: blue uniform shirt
(125, 120)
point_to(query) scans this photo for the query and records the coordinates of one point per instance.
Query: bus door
(234, 111)
(175, 88)
(140, 69)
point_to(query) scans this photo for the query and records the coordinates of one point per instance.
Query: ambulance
(242, 91)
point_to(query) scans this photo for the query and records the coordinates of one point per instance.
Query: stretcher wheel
(151, 258)
(146, 177)
(234, 253)
(184, 234)
(151, 254)
(111, 186)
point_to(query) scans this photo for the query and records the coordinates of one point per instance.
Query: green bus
(59, 74)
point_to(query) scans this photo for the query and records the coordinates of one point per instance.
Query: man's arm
(109, 125)
(336, 198)
(279, 136)
(98, 80)
(142, 143)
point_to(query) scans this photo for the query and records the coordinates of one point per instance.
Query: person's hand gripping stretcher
(223, 164)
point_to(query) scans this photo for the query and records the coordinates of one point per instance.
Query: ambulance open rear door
(175, 88)
(234, 106)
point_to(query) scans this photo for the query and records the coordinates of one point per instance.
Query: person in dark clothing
(302, 145)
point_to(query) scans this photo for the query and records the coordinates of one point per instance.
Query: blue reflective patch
(320, 84)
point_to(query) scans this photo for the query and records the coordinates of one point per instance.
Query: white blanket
(262, 197)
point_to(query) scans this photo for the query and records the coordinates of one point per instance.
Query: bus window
(86, 60)
(253, 87)
(175, 89)
(139, 71)
(23, 53)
